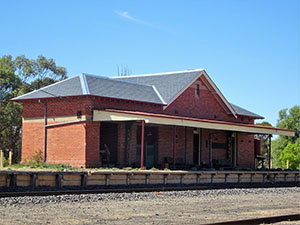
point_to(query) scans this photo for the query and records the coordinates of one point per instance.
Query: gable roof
(167, 84)
(171, 85)
(161, 88)
(85, 84)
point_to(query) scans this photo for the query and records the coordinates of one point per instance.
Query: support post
(142, 144)
(185, 144)
(1, 159)
(45, 132)
(199, 145)
(174, 146)
(10, 156)
(269, 153)
(210, 151)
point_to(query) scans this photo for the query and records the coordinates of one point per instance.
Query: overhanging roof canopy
(162, 119)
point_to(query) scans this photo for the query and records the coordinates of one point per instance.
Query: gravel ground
(184, 207)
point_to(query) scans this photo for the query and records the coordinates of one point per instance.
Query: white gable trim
(220, 94)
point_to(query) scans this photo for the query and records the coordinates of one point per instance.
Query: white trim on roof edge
(220, 94)
(158, 94)
(84, 86)
(158, 74)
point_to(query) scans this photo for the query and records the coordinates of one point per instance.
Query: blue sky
(250, 48)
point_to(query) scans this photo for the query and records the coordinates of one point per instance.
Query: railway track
(28, 192)
(232, 205)
(262, 220)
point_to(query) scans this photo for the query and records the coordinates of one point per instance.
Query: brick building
(176, 119)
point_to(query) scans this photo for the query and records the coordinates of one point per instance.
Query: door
(231, 142)
(108, 143)
(150, 146)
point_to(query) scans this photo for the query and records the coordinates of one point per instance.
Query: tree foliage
(19, 76)
(264, 141)
(285, 148)
(291, 153)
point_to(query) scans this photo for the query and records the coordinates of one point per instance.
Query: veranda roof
(162, 119)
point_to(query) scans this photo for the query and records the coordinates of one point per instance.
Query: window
(198, 90)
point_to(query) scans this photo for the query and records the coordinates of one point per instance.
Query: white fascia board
(219, 93)
(101, 115)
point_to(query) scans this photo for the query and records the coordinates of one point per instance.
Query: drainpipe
(45, 132)
(174, 146)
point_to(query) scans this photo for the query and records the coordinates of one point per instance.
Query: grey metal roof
(152, 88)
(168, 84)
(85, 84)
(67, 87)
(107, 87)
(243, 112)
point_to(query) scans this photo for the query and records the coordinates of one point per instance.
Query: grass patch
(40, 166)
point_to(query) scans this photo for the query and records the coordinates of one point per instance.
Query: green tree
(264, 141)
(288, 119)
(19, 76)
(291, 153)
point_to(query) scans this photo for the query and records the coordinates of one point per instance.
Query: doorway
(150, 146)
(108, 144)
(196, 149)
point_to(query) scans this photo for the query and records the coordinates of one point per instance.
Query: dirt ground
(158, 208)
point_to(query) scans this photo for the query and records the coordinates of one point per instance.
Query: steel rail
(129, 190)
(261, 220)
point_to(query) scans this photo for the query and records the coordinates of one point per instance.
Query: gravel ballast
(180, 207)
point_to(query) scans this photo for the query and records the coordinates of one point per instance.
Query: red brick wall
(204, 105)
(92, 144)
(245, 150)
(66, 144)
(217, 137)
(166, 144)
(32, 139)
(57, 107)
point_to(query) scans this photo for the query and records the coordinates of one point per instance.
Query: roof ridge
(84, 85)
(159, 74)
(159, 95)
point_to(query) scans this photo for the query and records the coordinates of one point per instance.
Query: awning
(162, 119)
